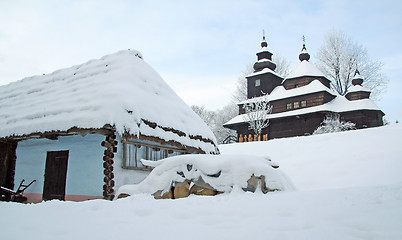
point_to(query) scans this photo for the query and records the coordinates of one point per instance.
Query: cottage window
(296, 105)
(288, 106)
(303, 103)
(133, 153)
(257, 82)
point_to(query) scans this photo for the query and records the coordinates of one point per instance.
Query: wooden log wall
(110, 144)
(303, 81)
(8, 159)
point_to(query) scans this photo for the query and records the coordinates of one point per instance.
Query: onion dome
(357, 79)
(264, 58)
(357, 91)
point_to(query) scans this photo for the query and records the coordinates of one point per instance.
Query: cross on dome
(264, 42)
(304, 55)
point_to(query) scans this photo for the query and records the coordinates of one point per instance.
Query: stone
(198, 190)
(255, 182)
(181, 190)
(123, 195)
(264, 188)
(200, 187)
(166, 195)
(252, 183)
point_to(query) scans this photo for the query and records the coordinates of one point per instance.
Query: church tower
(357, 91)
(264, 78)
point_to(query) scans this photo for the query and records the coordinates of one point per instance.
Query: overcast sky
(199, 47)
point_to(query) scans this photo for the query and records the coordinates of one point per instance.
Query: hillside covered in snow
(349, 186)
(359, 158)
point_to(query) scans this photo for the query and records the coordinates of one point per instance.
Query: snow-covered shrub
(333, 123)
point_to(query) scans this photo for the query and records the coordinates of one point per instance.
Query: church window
(257, 82)
(303, 103)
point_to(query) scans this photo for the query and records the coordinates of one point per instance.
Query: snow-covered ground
(349, 186)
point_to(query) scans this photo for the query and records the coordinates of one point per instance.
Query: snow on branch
(332, 123)
(257, 115)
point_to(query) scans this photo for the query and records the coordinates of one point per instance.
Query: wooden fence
(252, 138)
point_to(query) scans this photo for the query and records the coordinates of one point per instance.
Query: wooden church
(301, 101)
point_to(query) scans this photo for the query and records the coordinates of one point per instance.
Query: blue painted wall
(125, 176)
(85, 163)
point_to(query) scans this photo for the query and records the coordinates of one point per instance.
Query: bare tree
(257, 115)
(282, 65)
(223, 116)
(339, 57)
(207, 116)
(216, 119)
(240, 93)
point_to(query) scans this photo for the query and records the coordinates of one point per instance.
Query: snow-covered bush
(333, 123)
(219, 173)
(257, 114)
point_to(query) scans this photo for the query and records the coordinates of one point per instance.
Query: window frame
(296, 105)
(153, 153)
(257, 83)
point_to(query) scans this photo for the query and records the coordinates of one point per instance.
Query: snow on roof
(358, 88)
(305, 68)
(264, 60)
(339, 104)
(281, 93)
(222, 172)
(263, 49)
(119, 89)
(263, 71)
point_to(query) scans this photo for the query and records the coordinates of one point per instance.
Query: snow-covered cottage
(80, 132)
(301, 101)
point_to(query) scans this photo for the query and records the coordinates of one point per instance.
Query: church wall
(300, 125)
(267, 83)
(303, 81)
(357, 95)
(363, 118)
(312, 100)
